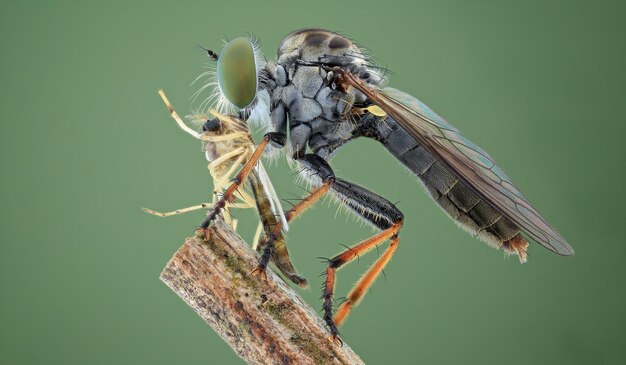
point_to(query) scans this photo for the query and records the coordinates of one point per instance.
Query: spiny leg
(363, 284)
(237, 181)
(380, 213)
(361, 287)
(222, 180)
(322, 169)
(220, 203)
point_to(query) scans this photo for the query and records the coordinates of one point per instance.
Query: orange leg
(298, 209)
(268, 242)
(237, 181)
(364, 283)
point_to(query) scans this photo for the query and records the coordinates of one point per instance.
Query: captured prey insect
(323, 91)
(228, 144)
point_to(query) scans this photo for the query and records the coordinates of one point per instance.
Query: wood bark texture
(265, 322)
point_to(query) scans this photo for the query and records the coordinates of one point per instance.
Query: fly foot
(203, 234)
(334, 337)
(260, 272)
(297, 279)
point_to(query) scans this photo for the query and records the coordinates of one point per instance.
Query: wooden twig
(265, 322)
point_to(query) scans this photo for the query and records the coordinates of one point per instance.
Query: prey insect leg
(192, 208)
(177, 118)
(237, 181)
(228, 144)
(319, 167)
(382, 214)
(223, 181)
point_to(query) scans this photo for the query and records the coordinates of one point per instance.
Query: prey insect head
(211, 125)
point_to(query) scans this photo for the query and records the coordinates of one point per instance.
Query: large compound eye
(237, 72)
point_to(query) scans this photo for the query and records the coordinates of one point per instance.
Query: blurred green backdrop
(85, 142)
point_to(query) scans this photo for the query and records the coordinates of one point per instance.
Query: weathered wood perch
(265, 322)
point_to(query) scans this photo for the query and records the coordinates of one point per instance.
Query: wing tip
(564, 250)
(559, 247)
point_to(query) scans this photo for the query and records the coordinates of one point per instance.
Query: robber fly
(228, 144)
(323, 91)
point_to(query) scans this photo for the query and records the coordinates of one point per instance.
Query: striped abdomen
(454, 196)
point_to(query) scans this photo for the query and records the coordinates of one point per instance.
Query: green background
(85, 142)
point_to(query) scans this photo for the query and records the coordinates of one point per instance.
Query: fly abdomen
(454, 196)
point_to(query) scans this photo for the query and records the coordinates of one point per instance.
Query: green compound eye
(237, 73)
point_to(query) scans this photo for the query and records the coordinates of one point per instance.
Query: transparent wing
(468, 161)
(277, 208)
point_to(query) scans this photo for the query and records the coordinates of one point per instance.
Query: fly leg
(382, 214)
(240, 153)
(238, 180)
(320, 168)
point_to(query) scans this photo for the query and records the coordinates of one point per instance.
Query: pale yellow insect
(228, 145)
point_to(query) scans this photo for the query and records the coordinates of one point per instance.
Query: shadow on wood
(264, 322)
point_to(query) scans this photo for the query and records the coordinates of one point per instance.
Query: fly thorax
(318, 114)
(313, 44)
